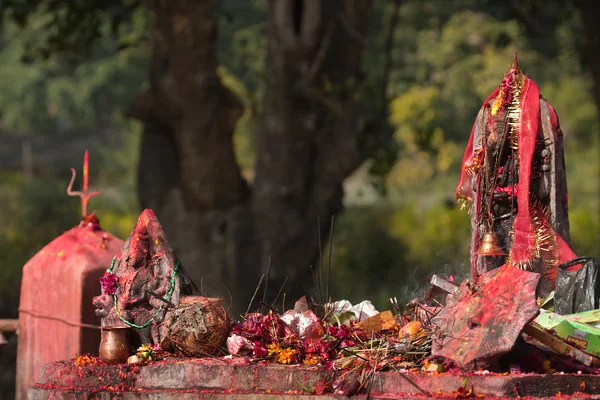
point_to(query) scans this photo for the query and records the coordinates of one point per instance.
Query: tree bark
(187, 171)
(307, 143)
(308, 139)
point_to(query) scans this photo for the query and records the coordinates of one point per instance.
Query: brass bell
(489, 246)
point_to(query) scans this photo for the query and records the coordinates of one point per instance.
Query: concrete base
(219, 380)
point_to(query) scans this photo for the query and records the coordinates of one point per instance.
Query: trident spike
(86, 164)
(84, 195)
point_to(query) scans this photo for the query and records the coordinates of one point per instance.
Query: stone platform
(215, 379)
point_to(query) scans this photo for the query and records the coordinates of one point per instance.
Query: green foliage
(414, 113)
(70, 27)
(53, 94)
(36, 211)
(242, 41)
(368, 263)
(463, 61)
(585, 231)
(243, 137)
(33, 213)
(435, 236)
(381, 252)
(583, 169)
(570, 95)
(242, 46)
(425, 150)
(56, 95)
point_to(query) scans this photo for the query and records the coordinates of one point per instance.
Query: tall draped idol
(513, 181)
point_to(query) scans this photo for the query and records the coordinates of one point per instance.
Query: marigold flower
(274, 349)
(84, 360)
(311, 360)
(287, 356)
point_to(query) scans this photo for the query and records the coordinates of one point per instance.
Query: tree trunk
(591, 56)
(187, 172)
(308, 139)
(307, 144)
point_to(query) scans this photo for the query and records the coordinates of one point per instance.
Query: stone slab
(209, 377)
(41, 394)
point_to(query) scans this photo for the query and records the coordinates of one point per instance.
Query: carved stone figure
(143, 283)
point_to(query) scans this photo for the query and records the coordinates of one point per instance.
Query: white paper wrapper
(362, 310)
(302, 321)
(306, 324)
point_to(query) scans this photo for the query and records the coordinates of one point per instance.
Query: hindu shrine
(527, 311)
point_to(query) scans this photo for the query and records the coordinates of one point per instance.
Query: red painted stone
(225, 380)
(57, 288)
(483, 320)
(146, 274)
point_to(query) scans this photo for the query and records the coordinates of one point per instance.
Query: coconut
(198, 326)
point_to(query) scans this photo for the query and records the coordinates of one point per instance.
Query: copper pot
(115, 345)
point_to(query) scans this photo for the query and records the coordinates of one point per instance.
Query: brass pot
(115, 345)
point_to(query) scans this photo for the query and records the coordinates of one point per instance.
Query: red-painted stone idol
(56, 315)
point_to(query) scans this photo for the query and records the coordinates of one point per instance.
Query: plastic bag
(577, 291)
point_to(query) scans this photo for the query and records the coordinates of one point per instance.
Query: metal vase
(115, 345)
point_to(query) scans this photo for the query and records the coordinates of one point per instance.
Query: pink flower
(109, 283)
(259, 351)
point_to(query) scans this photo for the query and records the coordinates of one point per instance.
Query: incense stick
(320, 287)
(280, 290)
(264, 300)
(254, 295)
(329, 265)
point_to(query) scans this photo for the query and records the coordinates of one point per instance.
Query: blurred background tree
(427, 67)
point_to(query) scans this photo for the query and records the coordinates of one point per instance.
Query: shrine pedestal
(232, 379)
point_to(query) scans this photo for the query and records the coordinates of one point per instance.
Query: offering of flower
(109, 283)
